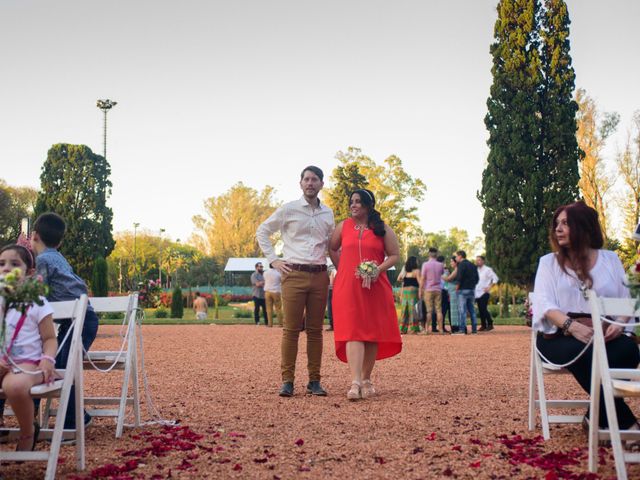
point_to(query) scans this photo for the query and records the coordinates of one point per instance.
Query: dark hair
(433, 250)
(584, 233)
(24, 253)
(411, 264)
(197, 294)
(50, 227)
(453, 257)
(440, 258)
(373, 219)
(462, 253)
(314, 169)
(256, 265)
(482, 257)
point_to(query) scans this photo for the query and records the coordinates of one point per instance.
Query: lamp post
(105, 105)
(135, 254)
(160, 260)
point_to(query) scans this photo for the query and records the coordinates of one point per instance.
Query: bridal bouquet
(19, 293)
(367, 271)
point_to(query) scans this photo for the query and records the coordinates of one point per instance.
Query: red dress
(361, 314)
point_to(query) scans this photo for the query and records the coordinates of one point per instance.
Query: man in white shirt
(272, 290)
(306, 226)
(488, 278)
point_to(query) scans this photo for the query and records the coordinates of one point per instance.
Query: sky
(211, 93)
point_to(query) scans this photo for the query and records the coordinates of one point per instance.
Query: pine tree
(75, 184)
(533, 161)
(177, 307)
(513, 180)
(100, 278)
(561, 154)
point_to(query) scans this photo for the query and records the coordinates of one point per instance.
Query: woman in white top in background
(561, 313)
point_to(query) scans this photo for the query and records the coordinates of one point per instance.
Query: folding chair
(72, 375)
(107, 361)
(537, 370)
(615, 382)
(125, 359)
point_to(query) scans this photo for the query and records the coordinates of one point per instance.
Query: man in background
(200, 307)
(488, 279)
(257, 282)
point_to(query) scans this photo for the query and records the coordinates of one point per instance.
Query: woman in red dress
(364, 315)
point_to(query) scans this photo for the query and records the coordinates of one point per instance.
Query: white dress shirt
(272, 281)
(305, 232)
(556, 290)
(487, 277)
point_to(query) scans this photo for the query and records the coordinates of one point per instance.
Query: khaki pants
(433, 300)
(273, 300)
(304, 296)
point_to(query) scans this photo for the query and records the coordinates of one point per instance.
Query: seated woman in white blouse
(576, 264)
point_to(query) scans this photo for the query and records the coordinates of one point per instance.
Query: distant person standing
(257, 282)
(467, 277)
(488, 279)
(272, 295)
(445, 303)
(410, 278)
(200, 307)
(432, 271)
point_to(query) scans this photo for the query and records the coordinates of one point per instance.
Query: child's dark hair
(373, 220)
(50, 227)
(23, 252)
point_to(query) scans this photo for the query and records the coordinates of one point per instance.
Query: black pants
(622, 352)
(257, 303)
(446, 306)
(485, 316)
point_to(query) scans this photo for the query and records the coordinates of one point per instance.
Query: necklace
(360, 228)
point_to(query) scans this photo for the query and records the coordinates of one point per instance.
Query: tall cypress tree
(513, 178)
(533, 162)
(560, 151)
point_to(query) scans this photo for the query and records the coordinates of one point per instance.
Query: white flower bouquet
(19, 293)
(368, 271)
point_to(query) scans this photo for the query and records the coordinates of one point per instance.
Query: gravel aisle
(448, 406)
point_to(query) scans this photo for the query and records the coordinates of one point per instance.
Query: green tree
(392, 186)
(628, 164)
(560, 153)
(345, 178)
(100, 278)
(177, 305)
(150, 251)
(229, 227)
(75, 184)
(529, 123)
(16, 203)
(594, 128)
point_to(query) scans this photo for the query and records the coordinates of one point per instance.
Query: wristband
(565, 326)
(47, 357)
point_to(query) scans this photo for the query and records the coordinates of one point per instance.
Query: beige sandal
(367, 389)
(354, 391)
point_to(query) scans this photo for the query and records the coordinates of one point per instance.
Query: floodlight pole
(105, 105)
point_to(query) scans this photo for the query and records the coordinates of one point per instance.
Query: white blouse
(556, 290)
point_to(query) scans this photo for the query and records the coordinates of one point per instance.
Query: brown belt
(299, 267)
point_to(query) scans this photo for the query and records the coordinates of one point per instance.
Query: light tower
(105, 105)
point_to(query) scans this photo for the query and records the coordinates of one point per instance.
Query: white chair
(538, 368)
(615, 382)
(125, 359)
(116, 360)
(72, 375)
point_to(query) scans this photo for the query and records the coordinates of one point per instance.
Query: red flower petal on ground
(379, 460)
(302, 468)
(431, 437)
(447, 472)
(260, 460)
(299, 442)
(237, 467)
(456, 448)
(418, 450)
(475, 464)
